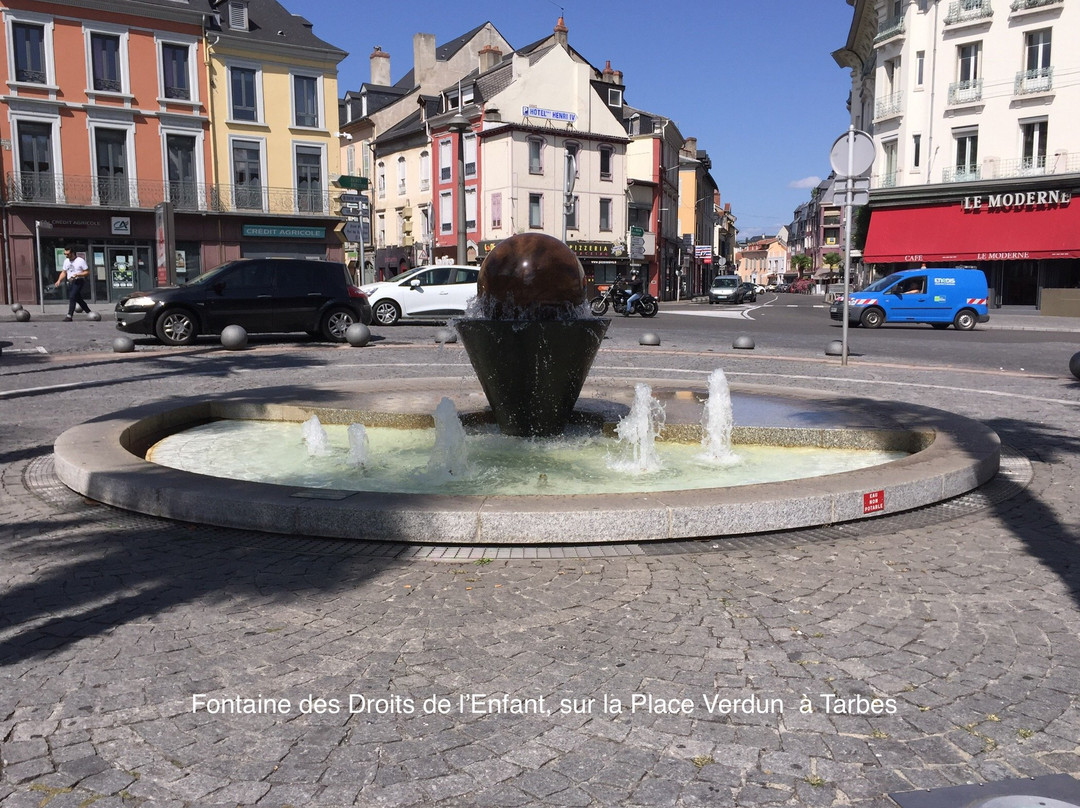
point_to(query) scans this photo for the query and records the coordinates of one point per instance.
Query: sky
(753, 80)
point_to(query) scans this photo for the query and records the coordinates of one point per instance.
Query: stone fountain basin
(103, 460)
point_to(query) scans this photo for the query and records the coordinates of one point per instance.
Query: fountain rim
(96, 460)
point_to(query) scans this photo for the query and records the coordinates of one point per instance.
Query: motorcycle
(616, 297)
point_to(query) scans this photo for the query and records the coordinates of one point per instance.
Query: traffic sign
(854, 156)
(350, 198)
(356, 183)
(350, 231)
(637, 231)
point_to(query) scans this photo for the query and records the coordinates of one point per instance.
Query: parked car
(429, 292)
(263, 295)
(725, 289)
(759, 289)
(938, 296)
(749, 292)
(783, 287)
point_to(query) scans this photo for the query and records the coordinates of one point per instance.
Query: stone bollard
(16, 306)
(444, 335)
(835, 348)
(358, 335)
(94, 316)
(743, 343)
(1074, 365)
(123, 345)
(22, 316)
(234, 338)
(649, 338)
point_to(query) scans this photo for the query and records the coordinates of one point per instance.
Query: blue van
(935, 296)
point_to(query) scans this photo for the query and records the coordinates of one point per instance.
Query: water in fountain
(318, 445)
(449, 458)
(638, 431)
(358, 445)
(717, 422)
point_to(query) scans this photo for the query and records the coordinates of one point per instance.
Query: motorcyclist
(634, 289)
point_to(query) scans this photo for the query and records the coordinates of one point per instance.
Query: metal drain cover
(1052, 791)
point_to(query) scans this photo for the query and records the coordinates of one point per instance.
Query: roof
(270, 22)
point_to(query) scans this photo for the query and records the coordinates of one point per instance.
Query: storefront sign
(592, 249)
(121, 225)
(278, 231)
(548, 114)
(1020, 200)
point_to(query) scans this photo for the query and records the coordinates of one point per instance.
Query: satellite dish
(862, 154)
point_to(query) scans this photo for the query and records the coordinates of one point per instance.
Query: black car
(263, 295)
(747, 292)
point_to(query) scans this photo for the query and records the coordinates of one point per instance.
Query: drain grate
(1014, 475)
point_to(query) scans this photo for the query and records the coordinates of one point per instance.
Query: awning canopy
(951, 233)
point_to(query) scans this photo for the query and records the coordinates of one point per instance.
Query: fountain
(532, 345)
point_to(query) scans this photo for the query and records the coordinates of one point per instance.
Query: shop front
(1026, 240)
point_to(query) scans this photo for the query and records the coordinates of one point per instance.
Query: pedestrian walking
(76, 271)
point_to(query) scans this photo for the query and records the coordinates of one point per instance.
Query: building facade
(972, 108)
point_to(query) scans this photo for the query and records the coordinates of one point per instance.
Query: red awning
(950, 233)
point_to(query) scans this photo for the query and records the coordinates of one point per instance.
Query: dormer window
(238, 15)
(614, 98)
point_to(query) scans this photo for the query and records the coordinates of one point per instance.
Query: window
(920, 67)
(37, 183)
(28, 42)
(350, 161)
(175, 71)
(244, 82)
(496, 211)
(470, 155)
(380, 230)
(968, 62)
(380, 180)
(1034, 145)
(105, 63)
(967, 156)
(614, 98)
(606, 153)
(183, 183)
(888, 179)
(306, 100)
(446, 159)
(916, 150)
(470, 208)
(238, 15)
(425, 223)
(536, 210)
(446, 212)
(425, 170)
(110, 149)
(247, 175)
(605, 214)
(536, 155)
(1037, 49)
(309, 188)
(401, 176)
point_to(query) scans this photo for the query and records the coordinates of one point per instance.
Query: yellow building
(273, 112)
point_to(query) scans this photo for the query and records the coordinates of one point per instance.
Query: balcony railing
(888, 106)
(44, 188)
(965, 92)
(887, 29)
(1060, 163)
(887, 180)
(1040, 80)
(961, 174)
(1024, 5)
(968, 10)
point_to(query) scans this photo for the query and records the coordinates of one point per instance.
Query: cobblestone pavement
(144, 662)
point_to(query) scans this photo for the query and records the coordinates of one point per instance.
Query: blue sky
(752, 80)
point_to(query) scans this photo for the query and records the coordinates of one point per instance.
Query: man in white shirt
(76, 271)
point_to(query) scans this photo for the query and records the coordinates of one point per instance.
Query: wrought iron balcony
(888, 106)
(1040, 80)
(887, 29)
(1024, 5)
(1060, 163)
(968, 10)
(46, 188)
(965, 92)
(961, 174)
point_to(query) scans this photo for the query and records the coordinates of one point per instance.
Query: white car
(424, 293)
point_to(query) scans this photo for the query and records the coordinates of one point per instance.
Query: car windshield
(883, 284)
(725, 283)
(209, 275)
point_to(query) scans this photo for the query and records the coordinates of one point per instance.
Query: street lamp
(459, 125)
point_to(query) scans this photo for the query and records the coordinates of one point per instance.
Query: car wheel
(176, 327)
(336, 322)
(872, 318)
(386, 312)
(599, 306)
(965, 320)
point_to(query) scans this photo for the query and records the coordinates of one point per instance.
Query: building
(699, 212)
(972, 108)
(151, 145)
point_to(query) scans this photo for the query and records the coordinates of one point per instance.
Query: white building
(974, 109)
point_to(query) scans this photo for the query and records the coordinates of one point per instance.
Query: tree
(832, 261)
(800, 263)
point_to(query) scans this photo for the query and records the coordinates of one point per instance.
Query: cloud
(805, 182)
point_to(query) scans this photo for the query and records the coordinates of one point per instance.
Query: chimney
(608, 75)
(423, 48)
(690, 147)
(489, 57)
(618, 77)
(380, 67)
(560, 32)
